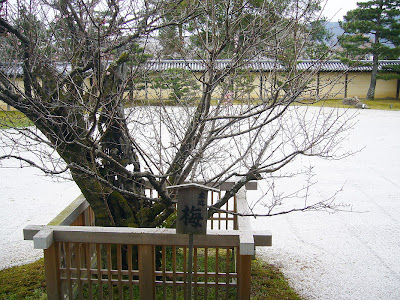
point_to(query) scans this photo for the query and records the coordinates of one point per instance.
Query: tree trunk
(371, 90)
(375, 64)
(111, 208)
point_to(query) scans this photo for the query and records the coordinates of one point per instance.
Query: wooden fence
(83, 261)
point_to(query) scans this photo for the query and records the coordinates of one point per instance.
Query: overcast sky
(336, 9)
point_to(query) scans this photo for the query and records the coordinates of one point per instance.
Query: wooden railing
(87, 262)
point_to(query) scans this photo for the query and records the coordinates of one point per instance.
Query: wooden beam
(142, 236)
(71, 212)
(31, 230)
(43, 239)
(262, 238)
(251, 185)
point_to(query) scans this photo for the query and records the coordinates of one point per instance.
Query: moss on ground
(28, 282)
(23, 282)
(13, 119)
(268, 283)
(383, 104)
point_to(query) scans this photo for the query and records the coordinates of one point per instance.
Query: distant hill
(335, 29)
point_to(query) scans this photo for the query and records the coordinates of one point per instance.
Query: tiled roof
(199, 65)
(268, 65)
(12, 69)
(15, 69)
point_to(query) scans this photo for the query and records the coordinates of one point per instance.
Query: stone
(350, 101)
(361, 105)
(355, 101)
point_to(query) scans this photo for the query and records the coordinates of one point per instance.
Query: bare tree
(79, 60)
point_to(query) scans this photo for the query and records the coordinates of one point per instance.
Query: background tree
(320, 40)
(372, 28)
(76, 100)
(390, 72)
(180, 83)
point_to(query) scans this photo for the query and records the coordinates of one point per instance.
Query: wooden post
(244, 276)
(86, 217)
(52, 272)
(246, 248)
(147, 286)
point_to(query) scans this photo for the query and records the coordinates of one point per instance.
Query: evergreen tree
(320, 39)
(372, 28)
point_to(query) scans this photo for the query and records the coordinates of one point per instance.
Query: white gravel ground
(325, 256)
(348, 255)
(27, 197)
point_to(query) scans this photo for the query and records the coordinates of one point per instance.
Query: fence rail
(83, 261)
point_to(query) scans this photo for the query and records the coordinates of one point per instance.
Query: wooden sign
(192, 208)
